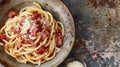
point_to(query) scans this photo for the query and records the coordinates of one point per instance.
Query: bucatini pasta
(32, 35)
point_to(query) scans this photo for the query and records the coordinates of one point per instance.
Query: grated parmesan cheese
(26, 26)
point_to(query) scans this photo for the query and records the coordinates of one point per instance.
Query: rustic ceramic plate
(59, 11)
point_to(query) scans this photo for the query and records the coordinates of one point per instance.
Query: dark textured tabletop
(97, 25)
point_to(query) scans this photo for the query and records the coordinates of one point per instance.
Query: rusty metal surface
(97, 25)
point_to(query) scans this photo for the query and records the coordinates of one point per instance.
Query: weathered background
(97, 24)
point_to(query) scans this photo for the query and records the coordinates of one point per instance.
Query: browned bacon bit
(34, 31)
(39, 28)
(47, 27)
(3, 37)
(15, 30)
(37, 21)
(36, 15)
(28, 31)
(12, 13)
(59, 37)
(59, 40)
(44, 35)
(41, 50)
(58, 32)
(29, 41)
(22, 20)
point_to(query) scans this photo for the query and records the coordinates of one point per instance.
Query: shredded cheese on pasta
(33, 35)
